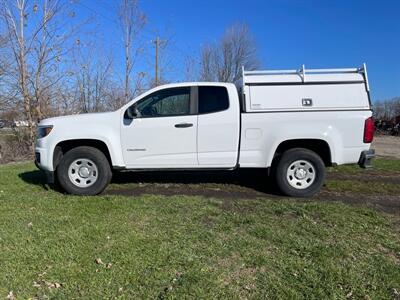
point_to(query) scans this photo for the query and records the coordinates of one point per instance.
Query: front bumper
(49, 174)
(366, 158)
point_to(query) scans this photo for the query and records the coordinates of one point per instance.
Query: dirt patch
(234, 186)
(387, 146)
(225, 192)
(367, 176)
(231, 184)
(385, 203)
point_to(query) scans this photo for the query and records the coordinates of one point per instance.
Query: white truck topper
(304, 90)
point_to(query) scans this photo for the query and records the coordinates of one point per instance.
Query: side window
(212, 99)
(170, 102)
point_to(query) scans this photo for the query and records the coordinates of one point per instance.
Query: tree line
(50, 63)
(387, 110)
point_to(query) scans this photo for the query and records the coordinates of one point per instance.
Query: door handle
(183, 125)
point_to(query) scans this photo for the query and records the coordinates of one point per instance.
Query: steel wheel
(300, 174)
(83, 172)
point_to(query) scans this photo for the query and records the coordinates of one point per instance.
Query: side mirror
(131, 112)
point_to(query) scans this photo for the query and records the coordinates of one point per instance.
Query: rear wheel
(300, 173)
(84, 171)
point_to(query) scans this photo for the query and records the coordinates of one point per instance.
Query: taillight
(369, 129)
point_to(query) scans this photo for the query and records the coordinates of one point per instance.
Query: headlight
(44, 131)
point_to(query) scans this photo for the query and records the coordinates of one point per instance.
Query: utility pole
(158, 43)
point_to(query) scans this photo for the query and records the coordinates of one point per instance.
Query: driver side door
(163, 134)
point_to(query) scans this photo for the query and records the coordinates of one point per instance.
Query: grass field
(202, 242)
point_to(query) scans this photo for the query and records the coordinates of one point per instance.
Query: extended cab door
(218, 126)
(163, 133)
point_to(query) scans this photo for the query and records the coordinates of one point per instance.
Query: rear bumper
(49, 174)
(366, 158)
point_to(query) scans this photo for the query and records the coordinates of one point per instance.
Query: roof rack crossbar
(302, 71)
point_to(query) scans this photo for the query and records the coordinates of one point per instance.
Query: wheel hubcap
(83, 172)
(300, 174)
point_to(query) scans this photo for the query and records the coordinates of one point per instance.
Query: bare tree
(92, 79)
(378, 110)
(4, 62)
(4, 65)
(132, 22)
(47, 51)
(387, 109)
(397, 108)
(210, 63)
(190, 71)
(15, 21)
(223, 61)
(39, 36)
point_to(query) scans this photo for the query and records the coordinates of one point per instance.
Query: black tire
(308, 161)
(103, 171)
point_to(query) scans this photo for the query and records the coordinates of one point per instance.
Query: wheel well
(64, 146)
(320, 147)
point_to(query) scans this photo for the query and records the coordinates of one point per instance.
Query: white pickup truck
(293, 123)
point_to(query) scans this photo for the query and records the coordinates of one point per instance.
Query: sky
(288, 33)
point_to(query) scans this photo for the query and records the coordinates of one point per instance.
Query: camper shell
(305, 90)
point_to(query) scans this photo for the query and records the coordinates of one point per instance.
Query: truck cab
(185, 126)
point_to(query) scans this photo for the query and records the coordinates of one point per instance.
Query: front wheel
(84, 171)
(300, 173)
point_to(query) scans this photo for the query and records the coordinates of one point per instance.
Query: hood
(86, 119)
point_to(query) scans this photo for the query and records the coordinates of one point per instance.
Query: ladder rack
(302, 72)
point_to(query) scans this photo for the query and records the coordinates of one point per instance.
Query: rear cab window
(213, 99)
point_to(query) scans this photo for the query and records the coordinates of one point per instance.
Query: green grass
(189, 247)
(370, 188)
(381, 167)
(384, 165)
(387, 165)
